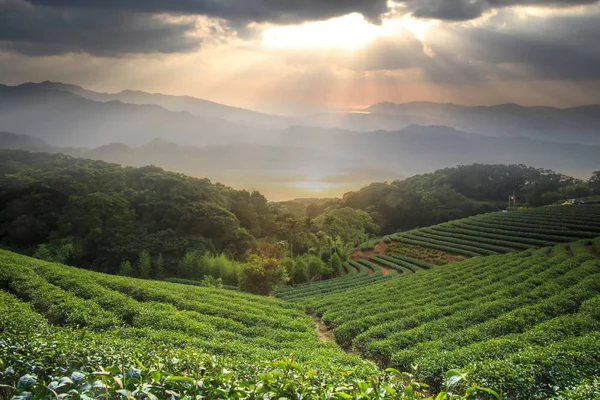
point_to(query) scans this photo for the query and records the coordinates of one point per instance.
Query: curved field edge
(67, 333)
(84, 321)
(490, 233)
(521, 322)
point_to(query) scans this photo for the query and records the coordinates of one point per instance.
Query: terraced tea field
(492, 233)
(533, 316)
(519, 314)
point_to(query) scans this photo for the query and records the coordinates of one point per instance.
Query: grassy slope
(144, 312)
(521, 322)
(527, 316)
(498, 233)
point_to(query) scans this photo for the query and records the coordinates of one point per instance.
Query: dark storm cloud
(558, 47)
(463, 10)
(506, 47)
(115, 27)
(276, 11)
(54, 31)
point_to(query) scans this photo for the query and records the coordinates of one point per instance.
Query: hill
(496, 233)
(523, 323)
(103, 214)
(423, 249)
(511, 297)
(576, 124)
(492, 293)
(62, 118)
(310, 160)
(93, 320)
(569, 125)
(91, 334)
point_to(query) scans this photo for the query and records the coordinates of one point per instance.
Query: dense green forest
(462, 191)
(468, 308)
(151, 223)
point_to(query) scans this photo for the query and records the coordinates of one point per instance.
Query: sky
(301, 56)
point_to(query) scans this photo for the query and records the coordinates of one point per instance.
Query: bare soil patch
(323, 332)
(593, 252)
(385, 270)
(381, 246)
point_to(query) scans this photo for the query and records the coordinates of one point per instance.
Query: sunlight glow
(313, 186)
(348, 32)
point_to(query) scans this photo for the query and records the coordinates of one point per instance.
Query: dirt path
(592, 252)
(323, 332)
(381, 246)
(422, 254)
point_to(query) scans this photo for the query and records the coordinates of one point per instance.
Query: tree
(211, 281)
(594, 182)
(289, 265)
(187, 267)
(54, 253)
(144, 264)
(315, 266)
(336, 265)
(240, 244)
(159, 266)
(43, 252)
(261, 275)
(300, 270)
(126, 269)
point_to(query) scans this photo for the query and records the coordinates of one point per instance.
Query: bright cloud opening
(348, 32)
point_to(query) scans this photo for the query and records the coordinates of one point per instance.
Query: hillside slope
(521, 322)
(493, 233)
(73, 333)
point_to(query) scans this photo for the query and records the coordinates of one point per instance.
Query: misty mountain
(66, 119)
(576, 124)
(300, 162)
(196, 106)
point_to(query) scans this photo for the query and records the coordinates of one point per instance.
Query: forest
(150, 223)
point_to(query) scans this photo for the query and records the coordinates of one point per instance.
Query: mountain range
(293, 156)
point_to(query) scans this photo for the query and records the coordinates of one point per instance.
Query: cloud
(274, 11)
(513, 46)
(53, 31)
(463, 10)
(116, 28)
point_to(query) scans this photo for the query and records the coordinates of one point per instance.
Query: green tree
(53, 253)
(187, 266)
(159, 266)
(289, 265)
(336, 265)
(126, 269)
(594, 182)
(300, 270)
(43, 252)
(144, 264)
(261, 275)
(315, 266)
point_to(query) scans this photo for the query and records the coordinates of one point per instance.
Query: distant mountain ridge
(66, 119)
(316, 156)
(575, 124)
(196, 106)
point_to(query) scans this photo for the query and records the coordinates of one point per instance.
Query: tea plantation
(497, 233)
(520, 316)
